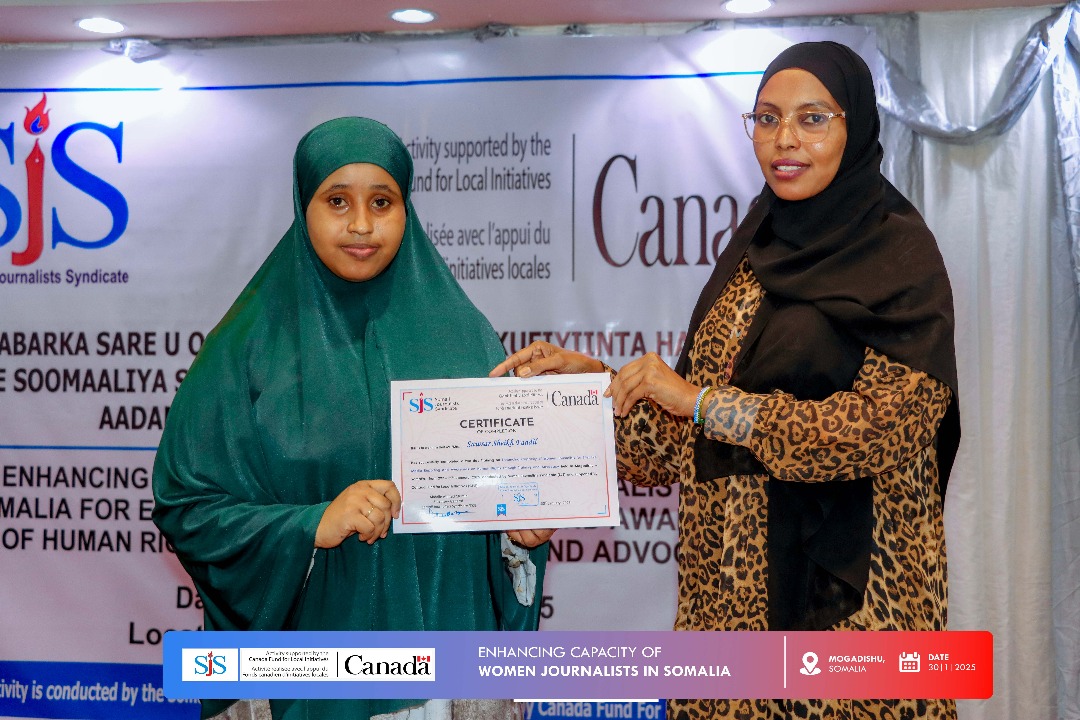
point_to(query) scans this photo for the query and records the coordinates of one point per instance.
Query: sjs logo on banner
(36, 124)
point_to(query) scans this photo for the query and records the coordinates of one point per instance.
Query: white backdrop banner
(579, 188)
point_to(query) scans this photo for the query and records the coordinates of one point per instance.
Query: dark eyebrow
(345, 186)
(811, 104)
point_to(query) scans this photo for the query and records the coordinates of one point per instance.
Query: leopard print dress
(884, 427)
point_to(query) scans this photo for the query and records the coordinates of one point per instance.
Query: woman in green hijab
(277, 445)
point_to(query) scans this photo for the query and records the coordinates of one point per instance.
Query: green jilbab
(288, 403)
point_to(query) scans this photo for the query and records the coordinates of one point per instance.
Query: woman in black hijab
(812, 417)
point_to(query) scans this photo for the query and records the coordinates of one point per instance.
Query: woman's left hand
(529, 538)
(650, 378)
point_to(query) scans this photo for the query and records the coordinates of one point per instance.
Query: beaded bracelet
(698, 419)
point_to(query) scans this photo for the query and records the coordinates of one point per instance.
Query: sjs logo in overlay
(218, 664)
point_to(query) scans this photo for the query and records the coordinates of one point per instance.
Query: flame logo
(37, 118)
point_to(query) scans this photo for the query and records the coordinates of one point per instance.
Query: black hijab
(851, 267)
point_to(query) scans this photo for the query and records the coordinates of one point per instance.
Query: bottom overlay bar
(580, 665)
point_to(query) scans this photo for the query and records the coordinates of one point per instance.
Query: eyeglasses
(809, 126)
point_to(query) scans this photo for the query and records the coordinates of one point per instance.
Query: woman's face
(356, 220)
(795, 170)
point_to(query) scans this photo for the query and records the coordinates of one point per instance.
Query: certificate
(504, 453)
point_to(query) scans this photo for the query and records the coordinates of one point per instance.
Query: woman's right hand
(543, 358)
(365, 508)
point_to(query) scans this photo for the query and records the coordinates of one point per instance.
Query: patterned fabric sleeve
(650, 444)
(891, 412)
(729, 414)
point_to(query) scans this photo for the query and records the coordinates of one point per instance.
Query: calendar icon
(909, 662)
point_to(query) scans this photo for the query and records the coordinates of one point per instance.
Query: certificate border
(398, 389)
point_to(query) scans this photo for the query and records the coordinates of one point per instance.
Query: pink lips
(359, 251)
(785, 169)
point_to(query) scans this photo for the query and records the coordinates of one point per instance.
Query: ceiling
(54, 20)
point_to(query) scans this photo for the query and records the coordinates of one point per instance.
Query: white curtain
(1065, 368)
(996, 209)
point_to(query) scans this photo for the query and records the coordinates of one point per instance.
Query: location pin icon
(809, 661)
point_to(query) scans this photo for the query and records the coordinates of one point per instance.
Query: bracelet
(698, 419)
